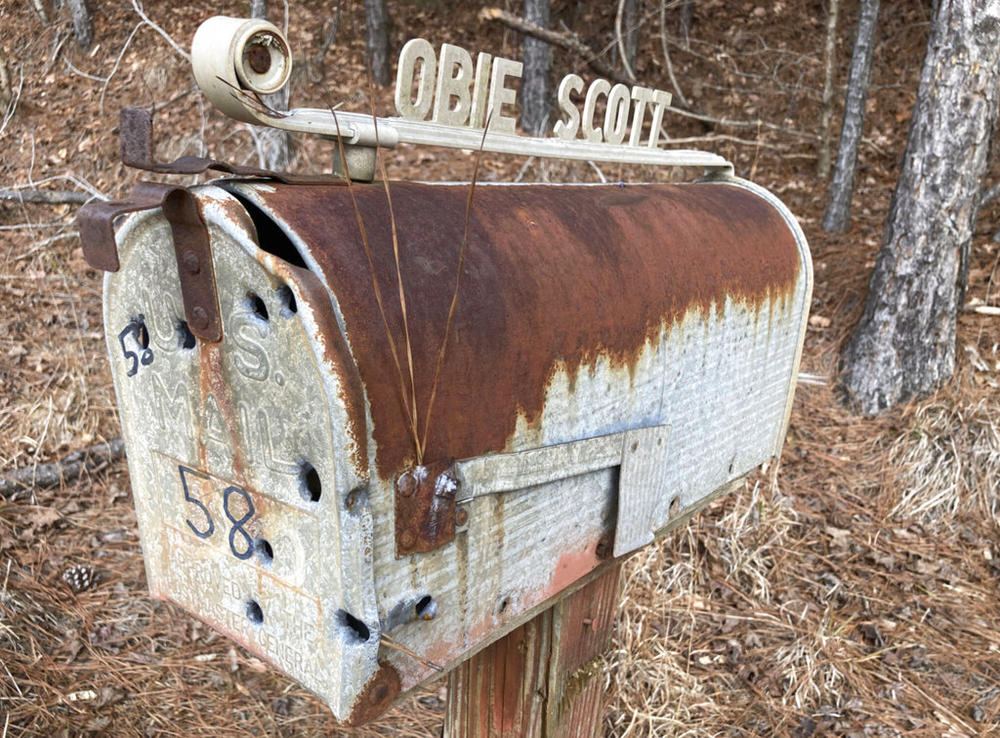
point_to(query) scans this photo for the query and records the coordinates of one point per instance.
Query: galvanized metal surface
(241, 454)
(593, 323)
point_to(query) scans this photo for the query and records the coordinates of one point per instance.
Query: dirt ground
(850, 589)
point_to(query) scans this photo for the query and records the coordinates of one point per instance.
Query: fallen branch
(568, 41)
(66, 469)
(49, 197)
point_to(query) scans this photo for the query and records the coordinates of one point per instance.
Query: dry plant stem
(371, 268)
(458, 281)
(389, 642)
(418, 447)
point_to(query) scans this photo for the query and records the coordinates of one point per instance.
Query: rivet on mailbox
(617, 356)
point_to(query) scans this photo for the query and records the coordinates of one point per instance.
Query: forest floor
(850, 589)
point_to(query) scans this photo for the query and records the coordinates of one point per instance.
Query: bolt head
(199, 318)
(190, 262)
(259, 58)
(461, 516)
(406, 484)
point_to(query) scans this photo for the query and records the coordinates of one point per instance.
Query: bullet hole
(141, 333)
(254, 614)
(426, 608)
(357, 628)
(263, 548)
(286, 298)
(257, 306)
(185, 338)
(310, 486)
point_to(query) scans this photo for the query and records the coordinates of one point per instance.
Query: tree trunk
(537, 59)
(377, 40)
(904, 344)
(277, 144)
(83, 23)
(631, 34)
(838, 213)
(5, 92)
(826, 106)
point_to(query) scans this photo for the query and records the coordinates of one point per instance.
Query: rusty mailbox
(617, 355)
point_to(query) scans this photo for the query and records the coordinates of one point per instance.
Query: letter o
(415, 49)
(616, 114)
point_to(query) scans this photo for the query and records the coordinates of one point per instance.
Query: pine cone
(79, 578)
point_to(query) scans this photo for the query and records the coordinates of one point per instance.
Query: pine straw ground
(850, 589)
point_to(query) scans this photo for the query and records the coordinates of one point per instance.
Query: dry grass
(851, 590)
(851, 597)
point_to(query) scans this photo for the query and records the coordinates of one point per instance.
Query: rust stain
(571, 566)
(554, 276)
(425, 507)
(376, 696)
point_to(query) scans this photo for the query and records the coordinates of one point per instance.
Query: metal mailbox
(618, 355)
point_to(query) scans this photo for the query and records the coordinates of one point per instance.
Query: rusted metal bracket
(191, 247)
(194, 259)
(425, 507)
(135, 135)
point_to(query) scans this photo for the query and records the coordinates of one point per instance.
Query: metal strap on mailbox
(136, 140)
(191, 247)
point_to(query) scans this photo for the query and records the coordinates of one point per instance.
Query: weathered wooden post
(375, 442)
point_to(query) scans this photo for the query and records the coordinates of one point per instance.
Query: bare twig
(620, 40)
(330, 37)
(826, 107)
(5, 92)
(137, 6)
(12, 105)
(569, 41)
(989, 195)
(992, 310)
(390, 642)
(666, 56)
(48, 197)
(740, 123)
(65, 470)
(39, 7)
